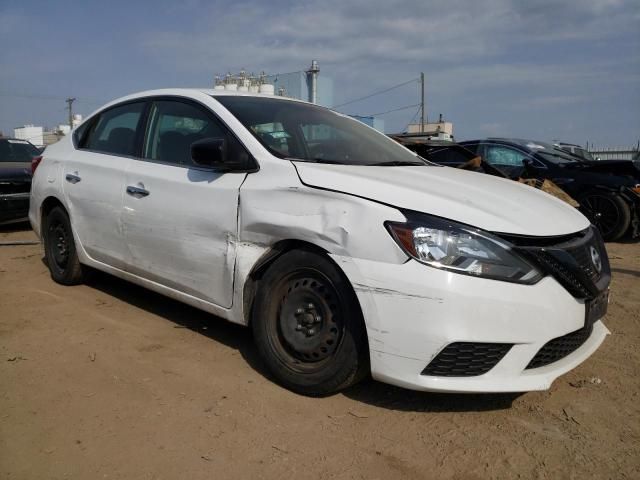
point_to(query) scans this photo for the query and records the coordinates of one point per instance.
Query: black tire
(308, 326)
(608, 212)
(60, 249)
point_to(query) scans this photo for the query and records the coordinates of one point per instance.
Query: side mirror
(209, 152)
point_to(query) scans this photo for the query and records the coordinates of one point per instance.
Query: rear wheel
(308, 326)
(607, 211)
(60, 248)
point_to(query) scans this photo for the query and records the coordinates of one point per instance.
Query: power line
(89, 100)
(393, 110)
(376, 93)
(415, 115)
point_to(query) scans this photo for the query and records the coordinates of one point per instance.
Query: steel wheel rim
(59, 244)
(308, 322)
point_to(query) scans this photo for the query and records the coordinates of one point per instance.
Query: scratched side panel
(183, 233)
(276, 206)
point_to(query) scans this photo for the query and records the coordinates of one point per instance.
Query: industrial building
(307, 85)
(440, 130)
(41, 137)
(303, 85)
(31, 133)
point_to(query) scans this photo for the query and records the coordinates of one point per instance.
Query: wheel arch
(278, 249)
(47, 205)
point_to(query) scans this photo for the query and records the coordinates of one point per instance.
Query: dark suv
(608, 192)
(576, 150)
(15, 178)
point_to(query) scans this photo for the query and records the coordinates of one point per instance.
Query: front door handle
(137, 192)
(73, 177)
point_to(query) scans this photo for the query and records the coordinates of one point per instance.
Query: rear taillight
(35, 161)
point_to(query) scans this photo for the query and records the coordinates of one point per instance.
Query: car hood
(613, 167)
(483, 201)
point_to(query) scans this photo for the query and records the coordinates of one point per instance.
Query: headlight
(462, 249)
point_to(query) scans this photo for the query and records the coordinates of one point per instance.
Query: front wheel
(608, 212)
(308, 326)
(60, 248)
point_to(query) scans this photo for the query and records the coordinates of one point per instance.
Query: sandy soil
(108, 380)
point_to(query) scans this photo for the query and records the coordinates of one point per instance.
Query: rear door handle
(137, 192)
(73, 177)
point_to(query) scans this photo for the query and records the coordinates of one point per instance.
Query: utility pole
(421, 102)
(70, 101)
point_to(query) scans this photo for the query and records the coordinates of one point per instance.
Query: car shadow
(627, 240)
(15, 227)
(626, 271)
(390, 397)
(180, 314)
(239, 338)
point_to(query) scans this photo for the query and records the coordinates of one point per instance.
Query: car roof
(419, 139)
(531, 145)
(189, 93)
(564, 144)
(21, 140)
(194, 91)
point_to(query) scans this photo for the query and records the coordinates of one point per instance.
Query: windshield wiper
(397, 163)
(317, 160)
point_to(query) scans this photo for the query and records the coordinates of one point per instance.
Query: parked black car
(608, 191)
(15, 178)
(451, 154)
(445, 152)
(576, 150)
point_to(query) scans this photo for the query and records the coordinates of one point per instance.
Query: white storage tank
(231, 86)
(267, 89)
(31, 133)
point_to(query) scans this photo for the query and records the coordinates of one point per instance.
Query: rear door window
(506, 159)
(116, 129)
(451, 156)
(500, 156)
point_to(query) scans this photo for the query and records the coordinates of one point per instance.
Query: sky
(538, 69)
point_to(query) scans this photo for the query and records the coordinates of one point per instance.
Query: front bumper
(14, 207)
(412, 312)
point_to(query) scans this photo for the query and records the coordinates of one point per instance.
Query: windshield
(550, 153)
(584, 154)
(17, 151)
(557, 156)
(299, 131)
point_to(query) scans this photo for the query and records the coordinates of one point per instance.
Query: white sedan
(346, 253)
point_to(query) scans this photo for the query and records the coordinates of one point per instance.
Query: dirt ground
(108, 380)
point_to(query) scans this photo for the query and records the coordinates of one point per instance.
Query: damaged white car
(346, 253)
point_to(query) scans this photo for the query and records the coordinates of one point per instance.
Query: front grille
(568, 279)
(568, 259)
(560, 347)
(582, 255)
(466, 359)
